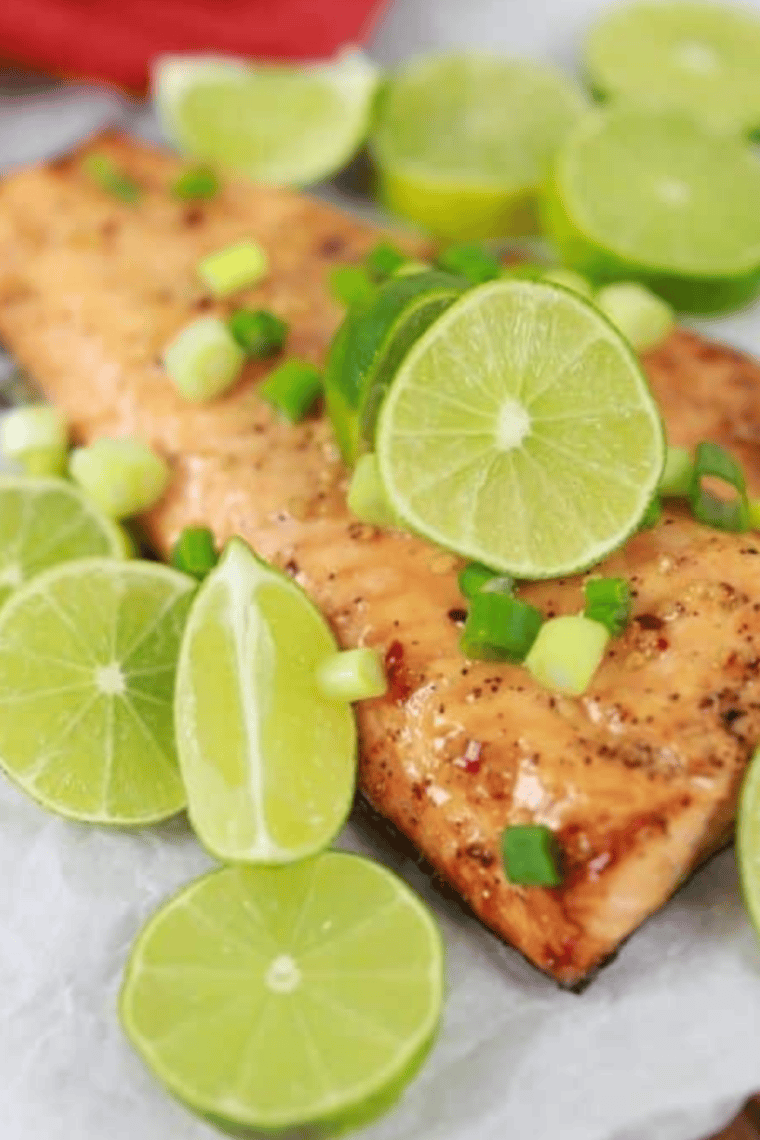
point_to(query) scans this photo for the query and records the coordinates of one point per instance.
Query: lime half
(462, 142)
(657, 199)
(268, 762)
(700, 58)
(88, 654)
(276, 123)
(520, 432)
(748, 840)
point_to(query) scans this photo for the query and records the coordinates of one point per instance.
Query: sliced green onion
(122, 476)
(499, 584)
(409, 268)
(652, 514)
(499, 627)
(643, 318)
(384, 260)
(198, 182)
(292, 388)
(676, 476)
(354, 675)
(712, 460)
(194, 552)
(608, 601)
(350, 284)
(569, 279)
(236, 267)
(258, 331)
(567, 653)
(366, 494)
(111, 178)
(473, 578)
(470, 260)
(36, 438)
(531, 855)
(204, 359)
(754, 514)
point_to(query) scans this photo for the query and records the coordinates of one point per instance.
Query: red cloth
(115, 40)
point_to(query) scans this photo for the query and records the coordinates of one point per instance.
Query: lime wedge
(371, 344)
(657, 199)
(268, 762)
(275, 997)
(520, 432)
(46, 521)
(462, 142)
(748, 840)
(88, 653)
(276, 123)
(700, 58)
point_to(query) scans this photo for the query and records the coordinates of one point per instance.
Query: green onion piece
(676, 476)
(122, 476)
(409, 268)
(499, 627)
(384, 260)
(608, 601)
(499, 584)
(473, 578)
(366, 494)
(198, 182)
(36, 438)
(754, 514)
(531, 855)
(111, 178)
(470, 260)
(711, 459)
(643, 318)
(292, 388)
(236, 267)
(350, 284)
(354, 675)
(567, 653)
(204, 359)
(652, 514)
(259, 332)
(569, 279)
(194, 552)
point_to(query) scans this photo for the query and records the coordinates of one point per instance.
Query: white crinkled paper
(664, 1045)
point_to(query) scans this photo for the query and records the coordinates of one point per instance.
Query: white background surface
(663, 1046)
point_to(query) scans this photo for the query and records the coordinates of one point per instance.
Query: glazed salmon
(639, 778)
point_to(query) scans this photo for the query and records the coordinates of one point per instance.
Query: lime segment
(46, 521)
(462, 142)
(281, 996)
(520, 432)
(268, 762)
(88, 655)
(700, 58)
(748, 840)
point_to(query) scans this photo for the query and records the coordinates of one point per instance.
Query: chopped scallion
(676, 476)
(259, 332)
(111, 178)
(499, 584)
(194, 552)
(567, 653)
(292, 388)
(353, 675)
(384, 260)
(470, 260)
(122, 476)
(712, 460)
(409, 268)
(754, 514)
(36, 438)
(652, 514)
(531, 855)
(499, 627)
(366, 494)
(350, 284)
(608, 601)
(643, 318)
(235, 267)
(204, 359)
(198, 182)
(473, 578)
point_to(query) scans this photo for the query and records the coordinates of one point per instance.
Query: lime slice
(520, 432)
(658, 199)
(268, 762)
(371, 344)
(46, 521)
(88, 653)
(276, 123)
(462, 142)
(274, 997)
(748, 840)
(700, 58)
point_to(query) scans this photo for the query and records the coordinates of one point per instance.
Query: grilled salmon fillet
(639, 777)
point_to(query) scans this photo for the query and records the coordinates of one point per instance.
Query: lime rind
(748, 840)
(265, 916)
(467, 453)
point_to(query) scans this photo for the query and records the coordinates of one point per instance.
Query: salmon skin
(639, 777)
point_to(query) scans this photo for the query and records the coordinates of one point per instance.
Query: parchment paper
(664, 1045)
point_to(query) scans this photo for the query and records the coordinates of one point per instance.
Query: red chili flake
(399, 685)
(470, 760)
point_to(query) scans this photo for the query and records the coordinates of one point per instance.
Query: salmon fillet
(639, 777)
